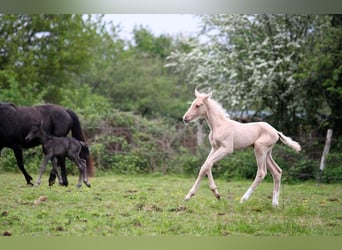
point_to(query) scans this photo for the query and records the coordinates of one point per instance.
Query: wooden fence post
(326, 149)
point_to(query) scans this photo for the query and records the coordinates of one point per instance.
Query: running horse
(16, 122)
(227, 135)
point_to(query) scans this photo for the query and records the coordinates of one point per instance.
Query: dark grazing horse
(16, 122)
(54, 146)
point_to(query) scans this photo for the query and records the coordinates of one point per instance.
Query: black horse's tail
(77, 133)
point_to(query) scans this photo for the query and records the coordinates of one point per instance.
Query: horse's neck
(44, 137)
(215, 115)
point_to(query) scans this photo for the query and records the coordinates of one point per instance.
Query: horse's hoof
(87, 184)
(275, 205)
(188, 197)
(217, 194)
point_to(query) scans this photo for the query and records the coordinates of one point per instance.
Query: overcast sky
(170, 24)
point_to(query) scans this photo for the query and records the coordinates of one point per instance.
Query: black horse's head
(36, 132)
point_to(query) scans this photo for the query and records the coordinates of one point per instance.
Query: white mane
(219, 107)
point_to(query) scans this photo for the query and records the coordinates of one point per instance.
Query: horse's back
(62, 146)
(268, 135)
(15, 123)
(56, 118)
(247, 134)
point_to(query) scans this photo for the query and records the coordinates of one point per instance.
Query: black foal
(59, 146)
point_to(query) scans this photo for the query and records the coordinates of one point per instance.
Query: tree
(258, 62)
(134, 77)
(51, 52)
(325, 65)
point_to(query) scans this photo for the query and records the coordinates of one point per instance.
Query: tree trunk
(326, 149)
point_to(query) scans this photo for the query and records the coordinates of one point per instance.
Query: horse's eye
(197, 106)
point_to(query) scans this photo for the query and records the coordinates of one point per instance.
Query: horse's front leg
(20, 162)
(212, 184)
(260, 155)
(214, 156)
(42, 168)
(61, 163)
(55, 170)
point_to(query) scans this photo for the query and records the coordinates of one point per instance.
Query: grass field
(153, 205)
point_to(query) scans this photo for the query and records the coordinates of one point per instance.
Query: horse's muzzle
(186, 120)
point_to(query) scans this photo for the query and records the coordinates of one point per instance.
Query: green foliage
(146, 43)
(52, 51)
(296, 166)
(89, 106)
(333, 170)
(126, 143)
(133, 77)
(13, 91)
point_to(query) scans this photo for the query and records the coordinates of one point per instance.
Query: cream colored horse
(227, 135)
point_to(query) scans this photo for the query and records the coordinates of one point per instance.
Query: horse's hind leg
(85, 175)
(81, 164)
(260, 155)
(276, 173)
(62, 179)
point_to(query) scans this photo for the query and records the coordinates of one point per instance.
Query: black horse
(16, 122)
(54, 146)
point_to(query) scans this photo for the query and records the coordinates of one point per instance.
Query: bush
(127, 143)
(296, 166)
(333, 169)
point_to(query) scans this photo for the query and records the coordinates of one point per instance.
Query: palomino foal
(227, 135)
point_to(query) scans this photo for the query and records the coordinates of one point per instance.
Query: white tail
(289, 142)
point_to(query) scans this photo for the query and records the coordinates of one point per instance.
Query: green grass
(153, 205)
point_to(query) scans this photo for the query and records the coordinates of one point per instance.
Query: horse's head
(35, 132)
(197, 108)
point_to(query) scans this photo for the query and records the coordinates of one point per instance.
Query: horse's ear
(208, 95)
(197, 93)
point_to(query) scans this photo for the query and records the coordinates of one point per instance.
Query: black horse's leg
(61, 163)
(55, 168)
(20, 161)
(53, 174)
(52, 177)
